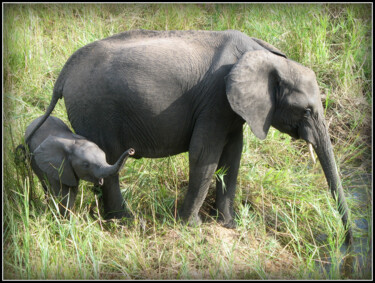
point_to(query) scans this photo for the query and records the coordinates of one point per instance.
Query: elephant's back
(145, 58)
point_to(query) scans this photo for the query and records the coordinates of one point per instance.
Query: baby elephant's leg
(64, 195)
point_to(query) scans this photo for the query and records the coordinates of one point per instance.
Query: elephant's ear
(52, 157)
(251, 87)
(269, 47)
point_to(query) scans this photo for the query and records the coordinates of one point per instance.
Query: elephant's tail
(55, 98)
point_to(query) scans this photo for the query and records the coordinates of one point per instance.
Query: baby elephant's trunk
(115, 168)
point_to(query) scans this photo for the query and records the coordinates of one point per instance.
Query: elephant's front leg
(204, 154)
(230, 162)
(113, 202)
(64, 196)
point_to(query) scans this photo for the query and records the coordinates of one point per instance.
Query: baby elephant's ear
(52, 157)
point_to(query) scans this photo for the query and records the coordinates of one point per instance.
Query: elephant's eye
(307, 112)
(85, 164)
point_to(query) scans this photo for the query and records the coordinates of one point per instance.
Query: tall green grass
(288, 226)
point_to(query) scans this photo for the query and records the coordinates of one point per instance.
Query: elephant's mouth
(294, 133)
(291, 130)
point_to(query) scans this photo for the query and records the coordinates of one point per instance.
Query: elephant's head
(69, 160)
(266, 89)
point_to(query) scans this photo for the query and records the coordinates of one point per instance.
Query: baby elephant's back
(52, 126)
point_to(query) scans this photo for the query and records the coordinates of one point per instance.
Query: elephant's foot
(121, 214)
(225, 221)
(230, 224)
(192, 220)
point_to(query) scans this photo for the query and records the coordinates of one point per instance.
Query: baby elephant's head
(89, 162)
(72, 159)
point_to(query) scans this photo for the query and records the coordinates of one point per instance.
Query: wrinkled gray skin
(167, 92)
(62, 158)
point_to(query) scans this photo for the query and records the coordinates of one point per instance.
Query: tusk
(309, 145)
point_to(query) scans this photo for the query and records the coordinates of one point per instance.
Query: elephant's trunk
(115, 168)
(324, 151)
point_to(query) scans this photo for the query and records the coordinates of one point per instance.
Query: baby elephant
(60, 158)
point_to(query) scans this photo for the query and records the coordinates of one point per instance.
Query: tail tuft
(20, 154)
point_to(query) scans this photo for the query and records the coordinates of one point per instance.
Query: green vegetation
(288, 225)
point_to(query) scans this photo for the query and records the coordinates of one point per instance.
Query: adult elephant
(167, 92)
